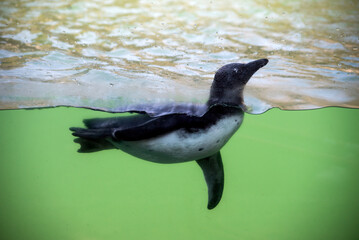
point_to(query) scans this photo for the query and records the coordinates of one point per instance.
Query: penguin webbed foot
(86, 146)
(76, 131)
(90, 133)
(89, 146)
(91, 140)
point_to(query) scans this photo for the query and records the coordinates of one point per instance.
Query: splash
(113, 55)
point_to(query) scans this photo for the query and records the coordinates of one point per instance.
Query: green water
(288, 175)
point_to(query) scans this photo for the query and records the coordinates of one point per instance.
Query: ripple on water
(99, 53)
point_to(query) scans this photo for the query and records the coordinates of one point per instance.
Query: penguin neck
(232, 98)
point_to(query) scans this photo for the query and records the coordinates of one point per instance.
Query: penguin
(175, 137)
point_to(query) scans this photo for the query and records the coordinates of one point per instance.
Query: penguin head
(230, 80)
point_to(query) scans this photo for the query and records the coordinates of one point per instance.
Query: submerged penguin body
(185, 144)
(178, 137)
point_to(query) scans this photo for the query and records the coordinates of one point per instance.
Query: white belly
(182, 146)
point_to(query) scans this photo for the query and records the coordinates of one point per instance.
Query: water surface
(110, 54)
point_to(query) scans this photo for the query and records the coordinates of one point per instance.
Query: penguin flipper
(117, 122)
(154, 127)
(212, 168)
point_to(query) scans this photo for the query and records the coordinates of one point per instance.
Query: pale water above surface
(110, 54)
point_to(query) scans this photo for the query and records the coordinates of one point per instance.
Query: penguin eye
(235, 70)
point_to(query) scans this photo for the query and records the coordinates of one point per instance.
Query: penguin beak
(253, 67)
